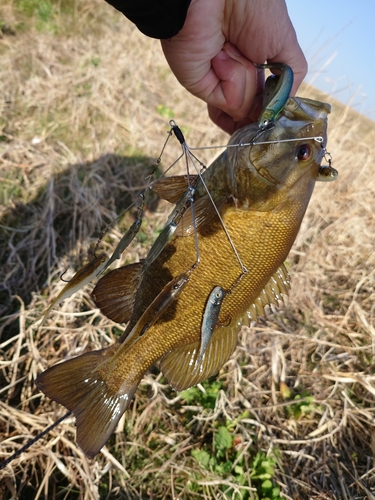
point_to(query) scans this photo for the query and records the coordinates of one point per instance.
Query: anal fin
(182, 367)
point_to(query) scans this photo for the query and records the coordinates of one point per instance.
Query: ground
(86, 101)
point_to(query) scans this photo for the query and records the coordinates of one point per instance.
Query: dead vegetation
(85, 107)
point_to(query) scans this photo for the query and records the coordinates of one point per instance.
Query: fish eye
(304, 152)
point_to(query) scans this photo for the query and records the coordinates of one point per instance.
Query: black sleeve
(155, 18)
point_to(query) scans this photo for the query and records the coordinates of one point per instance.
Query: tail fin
(81, 388)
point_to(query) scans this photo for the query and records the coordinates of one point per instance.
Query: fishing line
(33, 441)
(191, 200)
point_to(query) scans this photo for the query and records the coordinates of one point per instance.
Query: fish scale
(262, 247)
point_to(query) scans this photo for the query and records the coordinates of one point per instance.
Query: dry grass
(79, 128)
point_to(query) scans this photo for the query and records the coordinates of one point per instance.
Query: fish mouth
(303, 108)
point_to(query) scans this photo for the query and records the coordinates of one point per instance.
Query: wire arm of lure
(128, 237)
(135, 227)
(243, 268)
(193, 158)
(180, 136)
(171, 226)
(186, 200)
(318, 139)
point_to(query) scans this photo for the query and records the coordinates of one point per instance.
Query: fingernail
(232, 49)
(222, 55)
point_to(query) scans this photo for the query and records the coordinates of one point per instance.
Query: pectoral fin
(79, 386)
(115, 293)
(204, 213)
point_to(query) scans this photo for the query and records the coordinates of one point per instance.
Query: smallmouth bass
(262, 192)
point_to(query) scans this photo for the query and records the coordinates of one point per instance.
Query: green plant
(227, 461)
(303, 404)
(165, 111)
(43, 10)
(206, 398)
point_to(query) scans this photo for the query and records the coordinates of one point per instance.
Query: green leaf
(275, 492)
(191, 394)
(223, 439)
(238, 470)
(202, 457)
(262, 476)
(267, 486)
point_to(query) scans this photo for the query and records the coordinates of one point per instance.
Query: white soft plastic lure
(210, 318)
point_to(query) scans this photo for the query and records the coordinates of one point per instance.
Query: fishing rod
(32, 441)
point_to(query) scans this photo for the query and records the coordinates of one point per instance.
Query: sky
(338, 39)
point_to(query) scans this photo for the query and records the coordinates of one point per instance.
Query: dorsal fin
(173, 187)
(181, 366)
(115, 293)
(204, 213)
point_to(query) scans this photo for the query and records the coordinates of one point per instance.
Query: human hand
(213, 54)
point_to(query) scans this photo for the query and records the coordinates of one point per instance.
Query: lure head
(284, 161)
